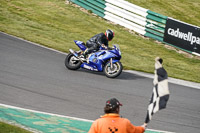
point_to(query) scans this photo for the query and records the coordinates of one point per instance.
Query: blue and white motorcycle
(105, 60)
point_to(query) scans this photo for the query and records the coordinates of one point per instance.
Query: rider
(98, 40)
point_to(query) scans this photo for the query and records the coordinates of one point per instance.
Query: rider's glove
(109, 48)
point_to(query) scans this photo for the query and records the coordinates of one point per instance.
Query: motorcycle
(105, 60)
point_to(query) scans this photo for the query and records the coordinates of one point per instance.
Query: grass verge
(7, 128)
(56, 24)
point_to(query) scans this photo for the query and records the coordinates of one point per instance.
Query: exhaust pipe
(75, 54)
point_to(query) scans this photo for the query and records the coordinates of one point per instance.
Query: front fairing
(117, 54)
(97, 60)
(113, 53)
(100, 58)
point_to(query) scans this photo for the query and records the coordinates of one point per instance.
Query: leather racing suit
(95, 42)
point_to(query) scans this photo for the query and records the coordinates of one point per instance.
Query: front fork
(111, 63)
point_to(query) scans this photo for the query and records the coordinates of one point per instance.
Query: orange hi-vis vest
(113, 123)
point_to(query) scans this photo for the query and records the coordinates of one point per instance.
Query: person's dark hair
(160, 60)
(112, 106)
(107, 109)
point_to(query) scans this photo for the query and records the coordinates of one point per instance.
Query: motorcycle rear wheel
(113, 72)
(71, 62)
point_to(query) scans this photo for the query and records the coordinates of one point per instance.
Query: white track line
(69, 117)
(34, 111)
(170, 80)
(33, 43)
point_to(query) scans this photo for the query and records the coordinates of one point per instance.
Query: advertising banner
(182, 35)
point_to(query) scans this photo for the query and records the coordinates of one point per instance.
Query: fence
(133, 17)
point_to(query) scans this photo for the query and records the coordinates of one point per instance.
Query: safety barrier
(138, 19)
(133, 17)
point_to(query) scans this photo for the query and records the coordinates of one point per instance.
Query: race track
(35, 78)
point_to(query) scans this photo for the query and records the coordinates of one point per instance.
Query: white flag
(160, 93)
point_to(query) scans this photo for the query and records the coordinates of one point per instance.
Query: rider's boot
(83, 57)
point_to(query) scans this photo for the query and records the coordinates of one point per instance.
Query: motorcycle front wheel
(114, 71)
(71, 62)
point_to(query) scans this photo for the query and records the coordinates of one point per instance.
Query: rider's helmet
(109, 34)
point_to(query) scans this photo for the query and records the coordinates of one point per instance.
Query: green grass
(55, 24)
(7, 128)
(184, 10)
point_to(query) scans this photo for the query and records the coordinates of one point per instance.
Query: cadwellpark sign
(182, 35)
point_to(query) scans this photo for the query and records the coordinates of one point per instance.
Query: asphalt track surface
(35, 78)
